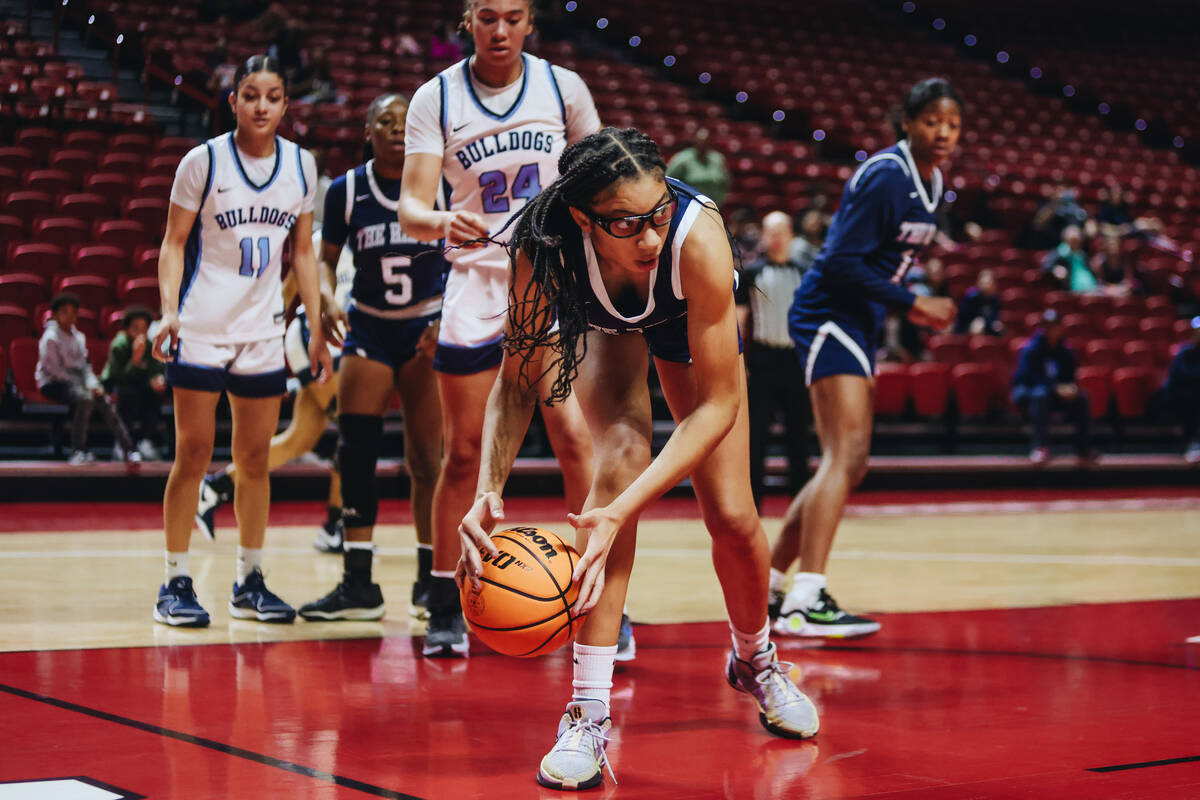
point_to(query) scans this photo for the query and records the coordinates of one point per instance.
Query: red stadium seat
(151, 212)
(51, 181)
(40, 142)
(975, 388)
(1062, 302)
(162, 165)
(86, 206)
(126, 163)
(1103, 353)
(36, 257)
(23, 357)
(138, 143)
(15, 322)
(99, 259)
(97, 354)
(24, 289)
(930, 388)
(123, 233)
(1096, 382)
(27, 205)
(1132, 388)
(1157, 329)
(1122, 327)
(93, 291)
(74, 162)
(108, 184)
(12, 229)
(145, 261)
(142, 291)
(948, 348)
(63, 232)
(1078, 325)
(892, 385)
(83, 139)
(153, 186)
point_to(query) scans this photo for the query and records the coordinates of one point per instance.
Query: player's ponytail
(548, 235)
(920, 95)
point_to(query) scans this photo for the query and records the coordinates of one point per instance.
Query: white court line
(1023, 507)
(1112, 559)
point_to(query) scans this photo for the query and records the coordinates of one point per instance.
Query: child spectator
(137, 379)
(1067, 264)
(65, 375)
(979, 311)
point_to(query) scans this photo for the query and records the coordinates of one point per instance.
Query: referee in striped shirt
(776, 381)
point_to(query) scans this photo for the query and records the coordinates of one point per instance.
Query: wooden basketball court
(1034, 644)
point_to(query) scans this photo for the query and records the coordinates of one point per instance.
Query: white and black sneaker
(347, 601)
(821, 618)
(579, 756)
(206, 509)
(446, 636)
(626, 644)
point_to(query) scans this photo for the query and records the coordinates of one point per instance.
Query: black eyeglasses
(624, 227)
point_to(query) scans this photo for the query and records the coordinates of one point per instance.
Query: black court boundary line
(220, 747)
(1143, 764)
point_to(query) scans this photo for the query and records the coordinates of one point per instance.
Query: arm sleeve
(333, 229)
(582, 117)
(865, 220)
(191, 177)
(308, 167)
(50, 363)
(423, 125)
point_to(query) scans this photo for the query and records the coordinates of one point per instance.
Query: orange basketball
(523, 605)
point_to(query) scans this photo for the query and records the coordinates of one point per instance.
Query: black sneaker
(253, 600)
(774, 605)
(822, 618)
(353, 601)
(206, 509)
(418, 606)
(446, 636)
(329, 538)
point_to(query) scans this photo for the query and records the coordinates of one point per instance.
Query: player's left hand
(334, 321)
(601, 527)
(318, 354)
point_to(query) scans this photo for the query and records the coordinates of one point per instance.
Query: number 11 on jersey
(264, 256)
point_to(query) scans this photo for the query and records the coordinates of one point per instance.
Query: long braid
(548, 236)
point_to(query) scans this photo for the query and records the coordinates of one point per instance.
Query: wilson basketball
(523, 605)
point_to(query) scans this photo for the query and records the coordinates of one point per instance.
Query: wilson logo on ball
(535, 536)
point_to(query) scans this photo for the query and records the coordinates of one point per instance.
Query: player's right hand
(463, 226)
(933, 312)
(168, 333)
(475, 534)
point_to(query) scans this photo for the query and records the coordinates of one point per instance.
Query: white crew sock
(248, 560)
(753, 648)
(593, 672)
(177, 565)
(806, 587)
(349, 545)
(777, 580)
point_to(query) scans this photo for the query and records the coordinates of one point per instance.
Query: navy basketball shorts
(827, 346)
(388, 341)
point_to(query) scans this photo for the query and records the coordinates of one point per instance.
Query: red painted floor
(947, 706)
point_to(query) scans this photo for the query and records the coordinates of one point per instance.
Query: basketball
(523, 605)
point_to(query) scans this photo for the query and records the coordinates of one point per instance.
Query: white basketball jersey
(495, 163)
(231, 290)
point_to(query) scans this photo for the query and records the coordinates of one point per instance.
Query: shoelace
(774, 679)
(597, 739)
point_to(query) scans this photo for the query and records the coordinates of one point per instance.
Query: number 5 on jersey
(264, 256)
(394, 275)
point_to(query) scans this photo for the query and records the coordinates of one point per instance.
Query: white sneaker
(783, 709)
(578, 758)
(148, 450)
(1192, 456)
(81, 457)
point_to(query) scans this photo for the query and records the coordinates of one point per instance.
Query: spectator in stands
(287, 47)
(219, 85)
(746, 235)
(928, 279)
(1114, 269)
(1182, 392)
(137, 379)
(313, 81)
(1060, 210)
(445, 43)
(1044, 382)
(1067, 264)
(402, 43)
(702, 167)
(64, 374)
(979, 311)
(807, 245)
(764, 295)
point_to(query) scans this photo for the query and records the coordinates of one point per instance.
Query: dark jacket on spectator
(1183, 378)
(1042, 365)
(978, 304)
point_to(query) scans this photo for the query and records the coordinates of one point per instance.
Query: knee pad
(360, 439)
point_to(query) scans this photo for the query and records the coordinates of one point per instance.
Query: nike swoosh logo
(361, 196)
(912, 194)
(460, 127)
(223, 189)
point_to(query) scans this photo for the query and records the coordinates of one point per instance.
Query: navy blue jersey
(665, 301)
(885, 219)
(394, 274)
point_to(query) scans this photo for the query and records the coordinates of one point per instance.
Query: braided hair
(546, 233)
